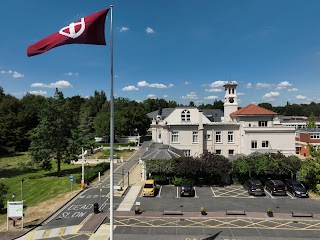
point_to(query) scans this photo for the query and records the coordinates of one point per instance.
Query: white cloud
(13, 74)
(263, 85)
(130, 88)
(165, 96)
(284, 84)
(71, 74)
(152, 96)
(300, 97)
(41, 93)
(191, 95)
(248, 85)
(58, 84)
(187, 83)
(293, 90)
(153, 85)
(124, 29)
(211, 97)
(240, 94)
(214, 90)
(149, 30)
(218, 84)
(269, 97)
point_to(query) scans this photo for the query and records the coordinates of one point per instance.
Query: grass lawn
(39, 185)
(124, 153)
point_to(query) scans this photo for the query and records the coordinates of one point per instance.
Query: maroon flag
(87, 30)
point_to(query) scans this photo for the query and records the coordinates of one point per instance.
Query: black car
(276, 187)
(254, 187)
(187, 189)
(296, 188)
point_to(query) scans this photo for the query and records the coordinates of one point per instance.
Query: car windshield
(148, 185)
(298, 185)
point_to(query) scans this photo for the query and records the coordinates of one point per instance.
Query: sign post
(71, 178)
(14, 212)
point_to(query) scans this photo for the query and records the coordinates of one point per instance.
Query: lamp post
(87, 173)
(13, 196)
(22, 181)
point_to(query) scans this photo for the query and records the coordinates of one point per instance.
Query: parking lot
(233, 191)
(233, 197)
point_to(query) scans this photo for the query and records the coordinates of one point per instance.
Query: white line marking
(213, 192)
(177, 193)
(270, 195)
(290, 195)
(195, 193)
(159, 194)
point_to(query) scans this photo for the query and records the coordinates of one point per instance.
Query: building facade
(250, 129)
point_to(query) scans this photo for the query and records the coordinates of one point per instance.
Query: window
(263, 123)
(208, 137)
(231, 152)
(194, 137)
(254, 144)
(187, 153)
(230, 137)
(218, 152)
(175, 137)
(185, 116)
(314, 135)
(265, 144)
(218, 137)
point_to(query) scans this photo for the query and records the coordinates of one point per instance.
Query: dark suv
(254, 187)
(296, 188)
(187, 189)
(276, 187)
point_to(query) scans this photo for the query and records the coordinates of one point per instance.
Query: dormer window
(185, 116)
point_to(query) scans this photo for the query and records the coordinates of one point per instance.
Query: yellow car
(149, 188)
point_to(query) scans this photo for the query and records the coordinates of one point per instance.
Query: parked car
(254, 187)
(149, 188)
(187, 189)
(276, 187)
(296, 188)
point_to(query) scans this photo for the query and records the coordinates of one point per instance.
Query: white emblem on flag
(72, 31)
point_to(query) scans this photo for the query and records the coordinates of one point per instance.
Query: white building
(243, 131)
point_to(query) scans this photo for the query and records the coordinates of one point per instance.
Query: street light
(87, 173)
(22, 180)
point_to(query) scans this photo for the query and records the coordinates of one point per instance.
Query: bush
(160, 179)
(3, 191)
(177, 181)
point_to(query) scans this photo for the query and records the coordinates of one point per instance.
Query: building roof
(253, 110)
(165, 112)
(214, 115)
(161, 152)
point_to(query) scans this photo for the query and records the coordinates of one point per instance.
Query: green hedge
(92, 173)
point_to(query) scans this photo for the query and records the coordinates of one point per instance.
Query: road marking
(177, 193)
(290, 195)
(86, 218)
(270, 195)
(214, 195)
(159, 193)
(195, 193)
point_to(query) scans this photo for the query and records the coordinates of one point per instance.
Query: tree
(50, 138)
(311, 123)
(266, 106)
(3, 192)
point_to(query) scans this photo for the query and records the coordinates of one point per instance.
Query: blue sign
(71, 178)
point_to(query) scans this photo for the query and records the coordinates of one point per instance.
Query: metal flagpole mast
(111, 126)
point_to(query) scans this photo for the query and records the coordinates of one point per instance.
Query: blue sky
(182, 50)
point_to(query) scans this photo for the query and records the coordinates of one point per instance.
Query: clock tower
(230, 100)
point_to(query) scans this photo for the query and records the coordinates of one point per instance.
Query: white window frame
(218, 137)
(265, 144)
(175, 137)
(231, 154)
(185, 116)
(230, 137)
(195, 137)
(314, 135)
(187, 153)
(208, 137)
(254, 144)
(263, 123)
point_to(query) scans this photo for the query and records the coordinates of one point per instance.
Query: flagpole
(111, 126)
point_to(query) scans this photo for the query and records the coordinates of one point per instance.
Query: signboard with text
(15, 210)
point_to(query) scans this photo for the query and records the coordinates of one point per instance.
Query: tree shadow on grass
(63, 173)
(13, 172)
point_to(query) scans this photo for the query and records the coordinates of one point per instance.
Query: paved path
(129, 199)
